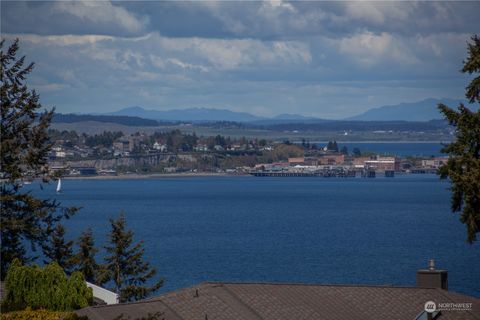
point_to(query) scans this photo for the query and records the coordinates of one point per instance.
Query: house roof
(263, 301)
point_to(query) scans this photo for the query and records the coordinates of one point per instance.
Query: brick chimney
(432, 278)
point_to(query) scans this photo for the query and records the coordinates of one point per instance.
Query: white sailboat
(59, 185)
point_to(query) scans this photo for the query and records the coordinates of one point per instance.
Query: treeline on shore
(290, 125)
(123, 120)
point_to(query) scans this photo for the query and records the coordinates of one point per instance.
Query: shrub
(48, 288)
(41, 314)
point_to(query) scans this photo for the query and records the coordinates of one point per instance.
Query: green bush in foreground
(40, 315)
(48, 288)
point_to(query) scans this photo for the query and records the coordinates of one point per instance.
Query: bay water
(259, 229)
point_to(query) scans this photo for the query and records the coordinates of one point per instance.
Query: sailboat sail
(59, 185)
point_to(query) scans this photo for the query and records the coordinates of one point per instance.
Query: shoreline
(386, 141)
(136, 176)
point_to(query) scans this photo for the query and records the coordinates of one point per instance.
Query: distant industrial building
(85, 171)
(434, 163)
(323, 159)
(383, 164)
(331, 159)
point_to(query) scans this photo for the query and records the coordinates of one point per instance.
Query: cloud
(267, 57)
(50, 87)
(223, 54)
(286, 19)
(187, 66)
(368, 49)
(71, 17)
(102, 13)
(379, 13)
(117, 58)
(267, 20)
(232, 54)
(63, 40)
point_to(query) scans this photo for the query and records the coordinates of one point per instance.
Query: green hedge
(40, 315)
(48, 288)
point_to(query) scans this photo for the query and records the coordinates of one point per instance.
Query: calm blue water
(423, 149)
(313, 230)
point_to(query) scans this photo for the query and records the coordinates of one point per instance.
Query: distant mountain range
(205, 115)
(424, 110)
(191, 114)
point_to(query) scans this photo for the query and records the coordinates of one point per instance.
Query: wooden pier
(324, 174)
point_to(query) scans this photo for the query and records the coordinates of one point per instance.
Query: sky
(324, 59)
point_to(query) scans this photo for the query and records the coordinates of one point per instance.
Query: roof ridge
(240, 302)
(124, 303)
(152, 299)
(160, 297)
(387, 286)
(177, 291)
(175, 313)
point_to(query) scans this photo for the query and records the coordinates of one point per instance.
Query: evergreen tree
(332, 146)
(357, 152)
(463, 166)
(84, 259)
(24, 148)
(58, 250)
(125, 266)
(472, 65)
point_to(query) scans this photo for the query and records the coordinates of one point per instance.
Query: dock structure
(389, 173)
(423, 171)
(336, 171)
(282, 174)
(322, 173)
(369, 174)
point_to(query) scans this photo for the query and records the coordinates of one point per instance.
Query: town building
(296, 161)
(200, 148)
(378, 163)
(331, 159)
(85, 171)
(60, 154)
(434, 163)
(383, 164)
(122, 145)
(159, 147)
(359, 162)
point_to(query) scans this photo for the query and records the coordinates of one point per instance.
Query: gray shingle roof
(255, 301)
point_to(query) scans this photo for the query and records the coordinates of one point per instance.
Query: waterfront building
(384, 163)
(331, 159)
(296, 161)
(434, 163)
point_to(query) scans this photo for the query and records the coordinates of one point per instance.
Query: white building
(159, 147)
